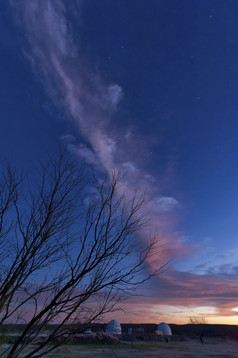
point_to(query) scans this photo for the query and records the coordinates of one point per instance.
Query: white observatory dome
(113, 327)
(164, 327)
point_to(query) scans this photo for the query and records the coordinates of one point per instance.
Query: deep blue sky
(149, 87)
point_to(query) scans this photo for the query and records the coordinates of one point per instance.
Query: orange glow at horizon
(175, 315)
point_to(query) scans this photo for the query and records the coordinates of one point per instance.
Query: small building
(164, 330)
(114, 328)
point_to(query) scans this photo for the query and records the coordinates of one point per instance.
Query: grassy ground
(190, 349)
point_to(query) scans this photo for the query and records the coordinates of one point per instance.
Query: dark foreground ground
(189, 349)
(220, 341)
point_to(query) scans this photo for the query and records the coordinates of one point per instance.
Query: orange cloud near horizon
(176, 296)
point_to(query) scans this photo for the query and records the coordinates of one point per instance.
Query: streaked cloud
(174, 296)
(222, 266)
(86, 154)
(90, 102)
(114, 95)
(166, 203)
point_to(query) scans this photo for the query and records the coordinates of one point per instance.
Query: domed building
(164, 329)
(114, 328)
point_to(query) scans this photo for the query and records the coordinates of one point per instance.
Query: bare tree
(69, 256)
(200, 325)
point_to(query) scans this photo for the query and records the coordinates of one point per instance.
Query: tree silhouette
(68, 253)
(200, 324)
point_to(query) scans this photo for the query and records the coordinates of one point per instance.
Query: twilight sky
(149, 88)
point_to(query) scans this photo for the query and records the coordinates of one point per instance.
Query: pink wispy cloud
(90, 102)
(55, 55)
(175, 296)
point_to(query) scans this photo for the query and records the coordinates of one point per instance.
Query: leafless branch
(70, 259)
